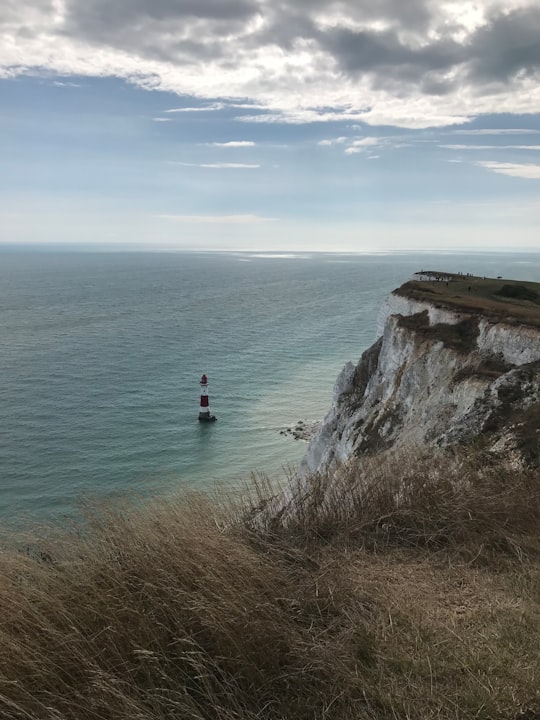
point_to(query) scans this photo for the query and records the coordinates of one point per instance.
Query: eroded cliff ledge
(457, 357)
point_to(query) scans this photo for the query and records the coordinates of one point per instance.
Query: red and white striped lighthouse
(204, 408)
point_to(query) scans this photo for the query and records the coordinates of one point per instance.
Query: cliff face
(434, 376)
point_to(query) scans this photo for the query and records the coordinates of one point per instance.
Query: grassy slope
(478, 295)
(404, 587)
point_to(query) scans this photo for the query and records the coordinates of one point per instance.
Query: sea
(102, 353)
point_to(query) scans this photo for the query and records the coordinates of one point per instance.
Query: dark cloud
(182, 51)
(284, 30)
(410, 13)
(385, 54)
(402, 47)
(435, 84)
(101, 20)
(287, 22)
(187, 31)
(509, 45)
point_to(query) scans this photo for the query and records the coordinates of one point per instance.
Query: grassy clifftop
(402, 587)
(504, 300)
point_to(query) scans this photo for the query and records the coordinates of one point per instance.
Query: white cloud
(297, 115)
(497, 131)
(367, 142)
(233, 144)
(234, 166)
(219, 165)
(214, 107)
(333, 141)
(219, 219)
(412, 64)
(529, 171)
(59, 83)
(206, 108)
(160, 119)
(490, 147)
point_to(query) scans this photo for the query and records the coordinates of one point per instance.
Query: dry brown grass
(401, 588)
(468, 503)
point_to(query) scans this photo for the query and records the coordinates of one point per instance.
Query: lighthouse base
(206, 417)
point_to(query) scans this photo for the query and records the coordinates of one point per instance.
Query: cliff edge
(457, 357)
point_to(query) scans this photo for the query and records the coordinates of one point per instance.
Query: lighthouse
(204, 409)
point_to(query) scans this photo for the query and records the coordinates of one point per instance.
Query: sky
(290, 125)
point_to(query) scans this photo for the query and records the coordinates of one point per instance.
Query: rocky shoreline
(302, 430)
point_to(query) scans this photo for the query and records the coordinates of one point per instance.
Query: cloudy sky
(276, 124)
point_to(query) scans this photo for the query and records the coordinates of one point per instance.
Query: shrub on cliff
(518, 292)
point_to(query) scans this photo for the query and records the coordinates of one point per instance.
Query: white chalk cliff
(435, 376)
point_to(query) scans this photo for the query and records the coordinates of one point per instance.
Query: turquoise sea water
(102, 354)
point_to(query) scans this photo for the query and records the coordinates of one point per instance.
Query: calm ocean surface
(102, 354)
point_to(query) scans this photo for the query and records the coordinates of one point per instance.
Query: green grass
(504, 300)
(400, 587)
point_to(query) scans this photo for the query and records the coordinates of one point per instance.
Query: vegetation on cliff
(398, 587)
(511, 301)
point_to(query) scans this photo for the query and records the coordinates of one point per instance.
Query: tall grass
(464, 501)
(402, 588)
